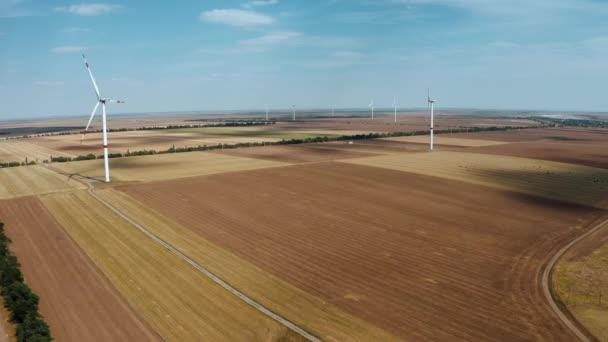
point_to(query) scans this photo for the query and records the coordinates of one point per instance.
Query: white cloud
(236, 17)
(68, 49)
(257, 3)
(271, 38)
(89, 9)
(48, 83)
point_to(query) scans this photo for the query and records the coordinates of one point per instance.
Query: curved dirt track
(547, 286)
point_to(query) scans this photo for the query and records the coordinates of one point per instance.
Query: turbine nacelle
(110, 101)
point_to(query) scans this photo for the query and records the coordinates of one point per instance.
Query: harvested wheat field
(422, 257)
(559, 181)
(76, 299)
(580, 281)
(31, 180)
(180, 303)
(122, 142)
(164, 166)
(19, 150)
(442, 139)
(315, 315)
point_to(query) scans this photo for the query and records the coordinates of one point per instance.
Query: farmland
(446, 140)
(314, 314)
(559, 181)
(580, 281)
(435, 246)
(179, 303)
(164, 166)
(77, 300)
(298, 154)
(40, 148)
(371, 239)
(32, 180)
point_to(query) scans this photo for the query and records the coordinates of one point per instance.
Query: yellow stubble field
(17, 150)
(32, 180)
(165, 166)
(180, 303)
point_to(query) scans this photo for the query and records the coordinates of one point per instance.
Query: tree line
(19, 299)
(237, 123)
(318, 139)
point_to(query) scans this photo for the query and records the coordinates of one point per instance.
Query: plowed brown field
(76, 299)
(578, 184)
(296, 154)
(590, 153)
(423, 257)
(557, 134)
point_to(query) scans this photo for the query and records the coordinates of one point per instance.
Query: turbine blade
(90, 119)
(92, 78)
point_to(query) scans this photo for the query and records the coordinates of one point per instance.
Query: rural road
(206, 272)
(547, 286)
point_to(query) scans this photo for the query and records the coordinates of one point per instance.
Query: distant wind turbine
(371, 105)
(103, 101)
(395, 107)
(431, 103)
(293, 110)
(266, 112)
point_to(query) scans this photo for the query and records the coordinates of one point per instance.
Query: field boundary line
(572, 325)
(206, 272)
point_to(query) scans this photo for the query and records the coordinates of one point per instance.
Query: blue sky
(222, 55)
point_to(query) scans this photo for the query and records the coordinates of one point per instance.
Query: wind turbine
(395, 107)
(266, 112)
(371, 105)
(103, 101)
(431, 103)
(293, 110)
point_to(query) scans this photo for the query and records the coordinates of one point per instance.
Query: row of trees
(19, 299)
(282, 142)
(586, 123)
(236, 123)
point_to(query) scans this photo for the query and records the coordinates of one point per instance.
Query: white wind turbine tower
(293, 110)
(395, 107)
(266, 112)
(371, 105)
(103, 101)
(431, 103)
